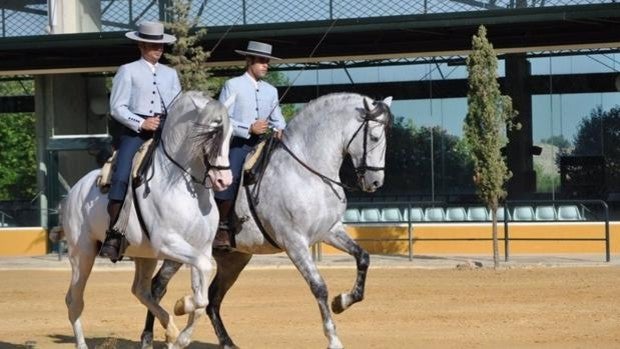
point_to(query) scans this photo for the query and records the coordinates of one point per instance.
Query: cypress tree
(489, 113)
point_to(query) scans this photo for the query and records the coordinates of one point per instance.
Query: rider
(255, 111)
(141, 91)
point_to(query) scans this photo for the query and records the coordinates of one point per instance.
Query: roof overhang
(510, 31)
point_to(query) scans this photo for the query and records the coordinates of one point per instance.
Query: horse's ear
(366, 106)
(199, 103)
(230, 100)
(388, 101)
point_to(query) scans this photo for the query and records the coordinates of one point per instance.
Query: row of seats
(461, 214)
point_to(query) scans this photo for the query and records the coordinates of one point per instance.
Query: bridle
(205, 161)
(370, 115)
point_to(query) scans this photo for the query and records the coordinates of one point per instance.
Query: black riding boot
(222, 237)
(113, 239)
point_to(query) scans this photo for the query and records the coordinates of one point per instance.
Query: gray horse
(299, 201)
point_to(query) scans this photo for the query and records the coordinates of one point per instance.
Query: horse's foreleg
(229, 266)
(195, 305)
(300, 256)
(158, 290)
(81, 266)
(141, 288)
(339, 239)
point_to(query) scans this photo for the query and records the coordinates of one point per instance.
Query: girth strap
(257, 220)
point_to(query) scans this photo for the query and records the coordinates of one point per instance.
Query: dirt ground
(404, 308)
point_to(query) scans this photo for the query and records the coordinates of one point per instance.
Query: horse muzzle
(370, 182)
(220, 179)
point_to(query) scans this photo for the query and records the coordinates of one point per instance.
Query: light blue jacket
(251, 102)
(136, 90)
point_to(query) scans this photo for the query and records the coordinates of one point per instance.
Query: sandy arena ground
(526, 307)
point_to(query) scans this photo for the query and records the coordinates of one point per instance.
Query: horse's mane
(341, 100)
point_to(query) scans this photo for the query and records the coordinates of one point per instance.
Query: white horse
(300, 201)
(179, 215)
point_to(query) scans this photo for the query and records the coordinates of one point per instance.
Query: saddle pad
(141, 154)
(253, 156)
(104, 179)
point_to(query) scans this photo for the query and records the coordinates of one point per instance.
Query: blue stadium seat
(545, 213)
(500, 214)
(569, 213)
(416, 214)
(456, 214)
(523, 213)
(391, 214)
(477, 214)
(434, 214)
(351, 215)
(370, 215)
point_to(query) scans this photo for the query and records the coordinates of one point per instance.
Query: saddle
(138, 168)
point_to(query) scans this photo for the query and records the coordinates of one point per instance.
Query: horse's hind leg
(339, 239)
(141, 288)
(158, 289)
(229, 266)
(81, 266)
(300, 256)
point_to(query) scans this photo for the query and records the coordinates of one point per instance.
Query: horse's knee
(318, 289)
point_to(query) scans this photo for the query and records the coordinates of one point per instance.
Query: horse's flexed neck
(334, 125)
(196, 135)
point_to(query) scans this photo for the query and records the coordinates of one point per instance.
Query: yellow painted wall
(23, 241)
(478, 230)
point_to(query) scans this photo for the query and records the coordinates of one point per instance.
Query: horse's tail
(57, 233)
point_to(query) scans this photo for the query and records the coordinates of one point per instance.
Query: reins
(360, 170)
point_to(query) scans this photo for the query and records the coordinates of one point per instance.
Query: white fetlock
(335, 344)
(172, 333)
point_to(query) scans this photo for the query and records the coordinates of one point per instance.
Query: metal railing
(599, 213)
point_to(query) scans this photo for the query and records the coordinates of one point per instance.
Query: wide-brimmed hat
(151, 32)
(258, 49)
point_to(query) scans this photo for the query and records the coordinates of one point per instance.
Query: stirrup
(222, 240)
(112, 245)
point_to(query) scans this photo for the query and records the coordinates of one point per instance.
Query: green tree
(598, 134)
(18, 165)
(488, 114)
(278, 78)
(187, 55)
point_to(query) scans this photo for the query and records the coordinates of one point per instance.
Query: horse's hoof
(229, 347)
(338, 303)
(183, 340)
(146, 340)
(183, 306)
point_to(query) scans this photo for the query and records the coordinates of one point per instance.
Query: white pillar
(74, 16)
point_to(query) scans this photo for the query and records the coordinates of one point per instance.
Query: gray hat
(258, 49)
(151, 32)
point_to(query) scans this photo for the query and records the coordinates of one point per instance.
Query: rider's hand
(150, 124)
(259, 127)
(278, 134)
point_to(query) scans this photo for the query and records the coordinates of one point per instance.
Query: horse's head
(368, 143)
(213, 134)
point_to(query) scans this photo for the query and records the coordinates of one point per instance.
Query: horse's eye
(374, 138)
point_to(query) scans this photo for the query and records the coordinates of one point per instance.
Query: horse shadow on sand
(100, 343)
